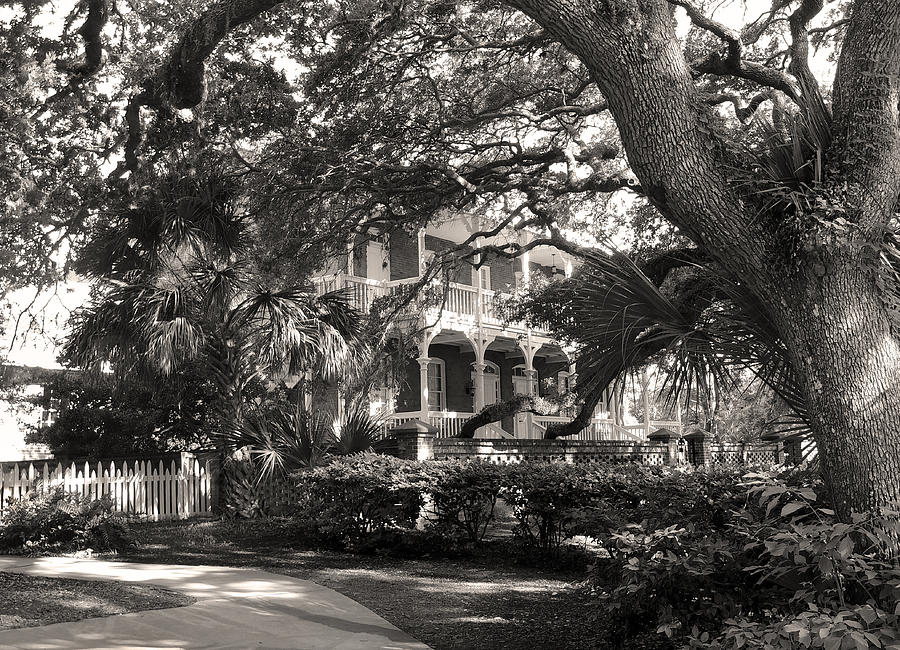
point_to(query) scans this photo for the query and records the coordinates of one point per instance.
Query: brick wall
(360, 249)
(464, 275)
(408, 395)
(458, 373)
(503, 273)
(569, 451)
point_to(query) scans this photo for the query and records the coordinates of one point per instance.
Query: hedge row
(368, 494)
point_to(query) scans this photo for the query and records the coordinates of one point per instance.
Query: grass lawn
(483, 602)
(29, 601)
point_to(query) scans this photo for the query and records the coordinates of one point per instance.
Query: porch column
(423, 388)
(478, 382)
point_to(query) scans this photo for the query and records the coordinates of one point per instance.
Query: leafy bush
(99, 417)
(714, 559)
(841, 581)
(361, 496)
(56, 521)
(463, 496)
(547, 500)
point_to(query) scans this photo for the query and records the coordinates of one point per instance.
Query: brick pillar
(792, 451)
(672, 441)
(415, 440)
(699, 447)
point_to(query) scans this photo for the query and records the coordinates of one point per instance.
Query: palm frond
(358, 429)
(282, 441)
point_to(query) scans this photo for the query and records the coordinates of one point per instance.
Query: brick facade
(404, 255)
(464, 275)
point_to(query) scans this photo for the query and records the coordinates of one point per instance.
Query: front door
(491, 390)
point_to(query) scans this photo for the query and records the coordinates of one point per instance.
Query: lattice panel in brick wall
(727, 454)
(762, 454)
(569, 451)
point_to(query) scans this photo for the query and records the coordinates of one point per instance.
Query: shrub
(361, 495)
(56, 521)
(547, 500)
(463, 496)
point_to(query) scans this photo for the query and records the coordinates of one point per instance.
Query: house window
(485, 272)
(520, 381)
(563, 382)
(491, 382)
(436, 384)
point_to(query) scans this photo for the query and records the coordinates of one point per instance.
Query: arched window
(520, 381)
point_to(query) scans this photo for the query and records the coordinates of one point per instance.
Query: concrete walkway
(235, 608)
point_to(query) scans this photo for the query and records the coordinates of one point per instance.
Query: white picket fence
(174, 488)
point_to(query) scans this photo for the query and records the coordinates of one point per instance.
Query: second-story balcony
(463, 303)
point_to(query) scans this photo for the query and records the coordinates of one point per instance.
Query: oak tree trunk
(839, 336)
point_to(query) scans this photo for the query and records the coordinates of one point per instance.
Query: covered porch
(460, 372)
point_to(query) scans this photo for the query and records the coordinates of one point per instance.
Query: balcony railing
(463, 302)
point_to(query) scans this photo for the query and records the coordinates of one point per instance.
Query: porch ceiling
(549, 352)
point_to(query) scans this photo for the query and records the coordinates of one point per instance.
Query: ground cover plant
(30, 601)
(53, 521)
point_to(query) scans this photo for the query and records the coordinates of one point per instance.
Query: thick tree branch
(181, 81)
(743, 113)
(866, 124)
(799, 65)
(91, 31)
(756, 72)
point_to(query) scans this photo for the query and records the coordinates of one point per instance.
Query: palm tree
(174, 283)
(706, 326)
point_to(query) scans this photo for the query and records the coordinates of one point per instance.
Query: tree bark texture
(829, 310)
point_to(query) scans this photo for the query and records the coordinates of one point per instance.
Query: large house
(468, 357)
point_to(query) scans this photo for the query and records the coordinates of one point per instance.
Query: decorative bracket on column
(529, 349)
(480, 343)
(427, 337)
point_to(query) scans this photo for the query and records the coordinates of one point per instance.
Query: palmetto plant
(175, 283)
(285, 438)
(707, 326)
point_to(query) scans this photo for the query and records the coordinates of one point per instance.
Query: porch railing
(450, 423)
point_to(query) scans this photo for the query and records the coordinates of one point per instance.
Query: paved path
(235, 608)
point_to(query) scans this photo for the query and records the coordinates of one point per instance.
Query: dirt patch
(484, 601)
(30, 601)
